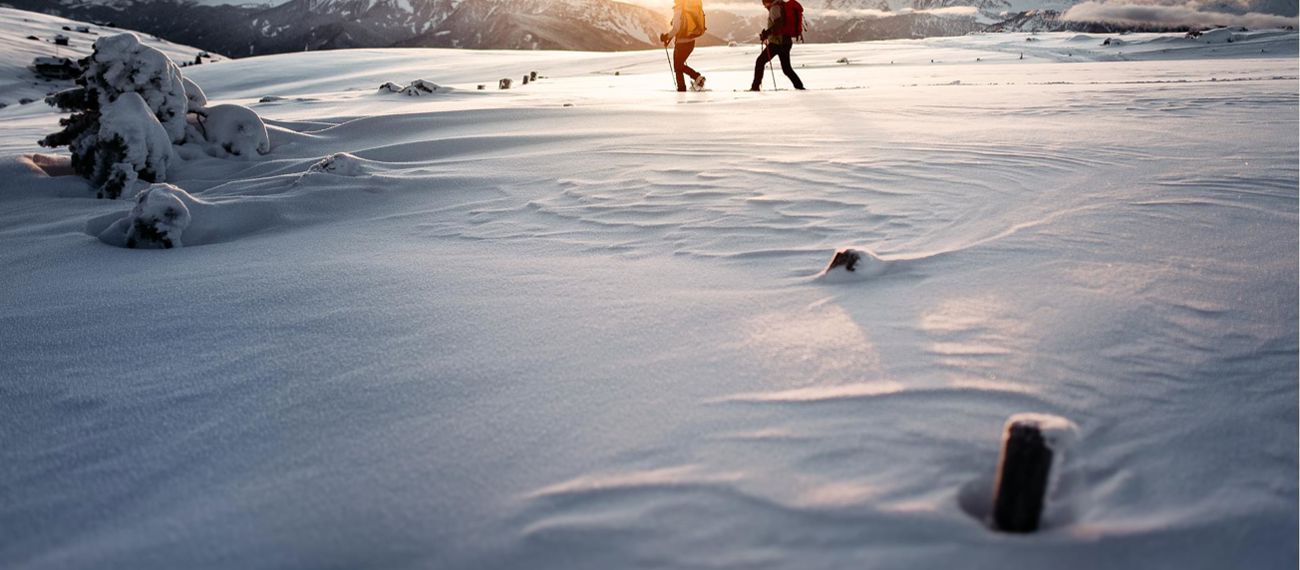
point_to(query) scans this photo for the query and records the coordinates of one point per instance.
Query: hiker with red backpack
(688, 24)
(784, 25)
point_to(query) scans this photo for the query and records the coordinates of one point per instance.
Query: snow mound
(157, 221)
(166, 216)
(420, 87)
(121, 64)
(237, 130)
(1220, 36)
(132, 145)
(341, 163)
(417, 88)
(853, 265)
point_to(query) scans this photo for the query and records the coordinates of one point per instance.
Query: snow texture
(236, 130)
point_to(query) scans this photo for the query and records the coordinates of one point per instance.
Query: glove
(762, 36)
(664, 38)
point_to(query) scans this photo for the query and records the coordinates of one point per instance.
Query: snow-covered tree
(128, 109)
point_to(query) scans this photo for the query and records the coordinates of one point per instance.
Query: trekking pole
(672, 71)
(767, 49)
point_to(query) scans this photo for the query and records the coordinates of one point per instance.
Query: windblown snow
(591, 323)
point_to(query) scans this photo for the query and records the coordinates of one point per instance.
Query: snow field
(489, 330)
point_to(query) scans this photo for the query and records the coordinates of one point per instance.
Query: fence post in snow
(532, 76)
(504, 83)
(1024, 470)
(525, 80)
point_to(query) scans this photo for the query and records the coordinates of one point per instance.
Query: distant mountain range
(277, 26)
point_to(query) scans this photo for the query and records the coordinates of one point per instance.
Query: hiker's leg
(784, 55)
(680, 51)
(686, 50)
(763, 57)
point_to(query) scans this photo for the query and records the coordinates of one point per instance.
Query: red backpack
(792, 20)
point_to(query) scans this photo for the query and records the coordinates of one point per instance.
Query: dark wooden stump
(1023, 473)
(848, 258)
(504, 83)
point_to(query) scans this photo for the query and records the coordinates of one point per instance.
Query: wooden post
(1022, 480)
(532, 76)
(525, 82)
(504, 83)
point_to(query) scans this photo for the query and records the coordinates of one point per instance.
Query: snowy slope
(580, 324)
(17, 52)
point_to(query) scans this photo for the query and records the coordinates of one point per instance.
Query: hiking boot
(697, 84)
(755, 89)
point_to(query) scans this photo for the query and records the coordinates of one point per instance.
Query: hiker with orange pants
(784, 25)
(688, 24)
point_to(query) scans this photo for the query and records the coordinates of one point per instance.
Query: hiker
(688, 24)
(784, 24)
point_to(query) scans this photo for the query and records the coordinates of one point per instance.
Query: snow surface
(579, 323)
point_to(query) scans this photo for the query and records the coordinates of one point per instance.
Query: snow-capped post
(525, 81)
(532, 75)
(1033, 447)
(504, 83)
